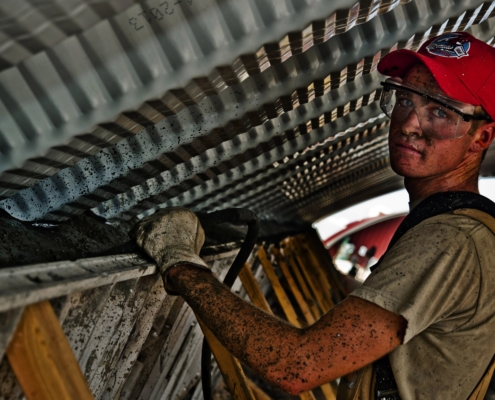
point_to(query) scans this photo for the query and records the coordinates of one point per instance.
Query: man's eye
(404, 102)
(440, 112)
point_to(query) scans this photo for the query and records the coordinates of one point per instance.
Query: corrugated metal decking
(212, 104)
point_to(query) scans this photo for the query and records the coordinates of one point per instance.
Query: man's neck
(421, 188)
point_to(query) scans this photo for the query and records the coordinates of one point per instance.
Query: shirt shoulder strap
(478, 215)
(440, 203)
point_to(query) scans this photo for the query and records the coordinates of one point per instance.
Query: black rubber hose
(232, 215)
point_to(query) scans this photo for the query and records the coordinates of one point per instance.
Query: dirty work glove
(172, 236)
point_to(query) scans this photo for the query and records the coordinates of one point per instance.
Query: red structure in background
(376, 231)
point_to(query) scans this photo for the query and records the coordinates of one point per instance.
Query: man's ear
(484, 137)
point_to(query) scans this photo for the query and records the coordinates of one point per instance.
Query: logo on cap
(451, 45)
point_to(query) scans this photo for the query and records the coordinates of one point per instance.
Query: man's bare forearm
(348, 337)
(249, 333)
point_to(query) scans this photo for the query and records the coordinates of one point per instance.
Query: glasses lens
(437, 119)
(387, 101)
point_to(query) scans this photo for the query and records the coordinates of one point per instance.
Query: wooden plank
(319, 284)
(63, 304)
(42, 359)
(316, 288)
(327, 264)
(301, 282)
(132, 348)
(82, 318)
(253, 290)
(109, 317)
(256, 296)
(327, 389)
(190, 374)
(230, 367)
(151, 352)
(9, 387)
(303, 305)
(120, 333)
(167, 354)
(316, 266)
(8, 323)
(132, 381)
(183, 366)
(181, 344)
(284, 301)
(257, 392)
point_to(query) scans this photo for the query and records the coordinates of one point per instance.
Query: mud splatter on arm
(351, 335)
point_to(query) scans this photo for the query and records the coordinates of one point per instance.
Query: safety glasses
(439, 117)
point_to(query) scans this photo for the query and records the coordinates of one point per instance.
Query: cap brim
(397, 63)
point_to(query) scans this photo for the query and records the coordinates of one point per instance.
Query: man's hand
(172, 236)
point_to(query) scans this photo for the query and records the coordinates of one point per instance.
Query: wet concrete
(83, 236)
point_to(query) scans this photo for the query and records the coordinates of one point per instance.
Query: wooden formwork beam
(328, 391)
(303, 305)
(318, 288)
(229, 366)
(308, 297)
(42, 359)
(325, 261)
(282, 297)
(314, 268)
(254, 292)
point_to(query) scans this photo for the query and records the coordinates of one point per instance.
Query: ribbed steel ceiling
(125, 107)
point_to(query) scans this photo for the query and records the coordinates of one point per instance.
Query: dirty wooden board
(121, 332)
(9, 387)
(150, 352)
(107, 321)
(169, 352)
(82, 318)
(136, 340)
(189, 377)
(138, 379)
(82, 312)
(33, 283)
(63, 304)
(8, 322)
(188, 351)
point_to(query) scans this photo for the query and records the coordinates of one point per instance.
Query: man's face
(412, 153)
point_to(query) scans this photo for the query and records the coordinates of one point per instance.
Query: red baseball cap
(463, 66)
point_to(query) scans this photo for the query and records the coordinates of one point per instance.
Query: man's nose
(411, 124)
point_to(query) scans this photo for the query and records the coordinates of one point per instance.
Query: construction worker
(429, 304)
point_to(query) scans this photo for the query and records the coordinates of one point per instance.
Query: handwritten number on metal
(134, 22)
(145, 16)
(167, 9)
(155, 13)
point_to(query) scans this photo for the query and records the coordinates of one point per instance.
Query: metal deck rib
(28, 27)
(149, 53)
(206, 133)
